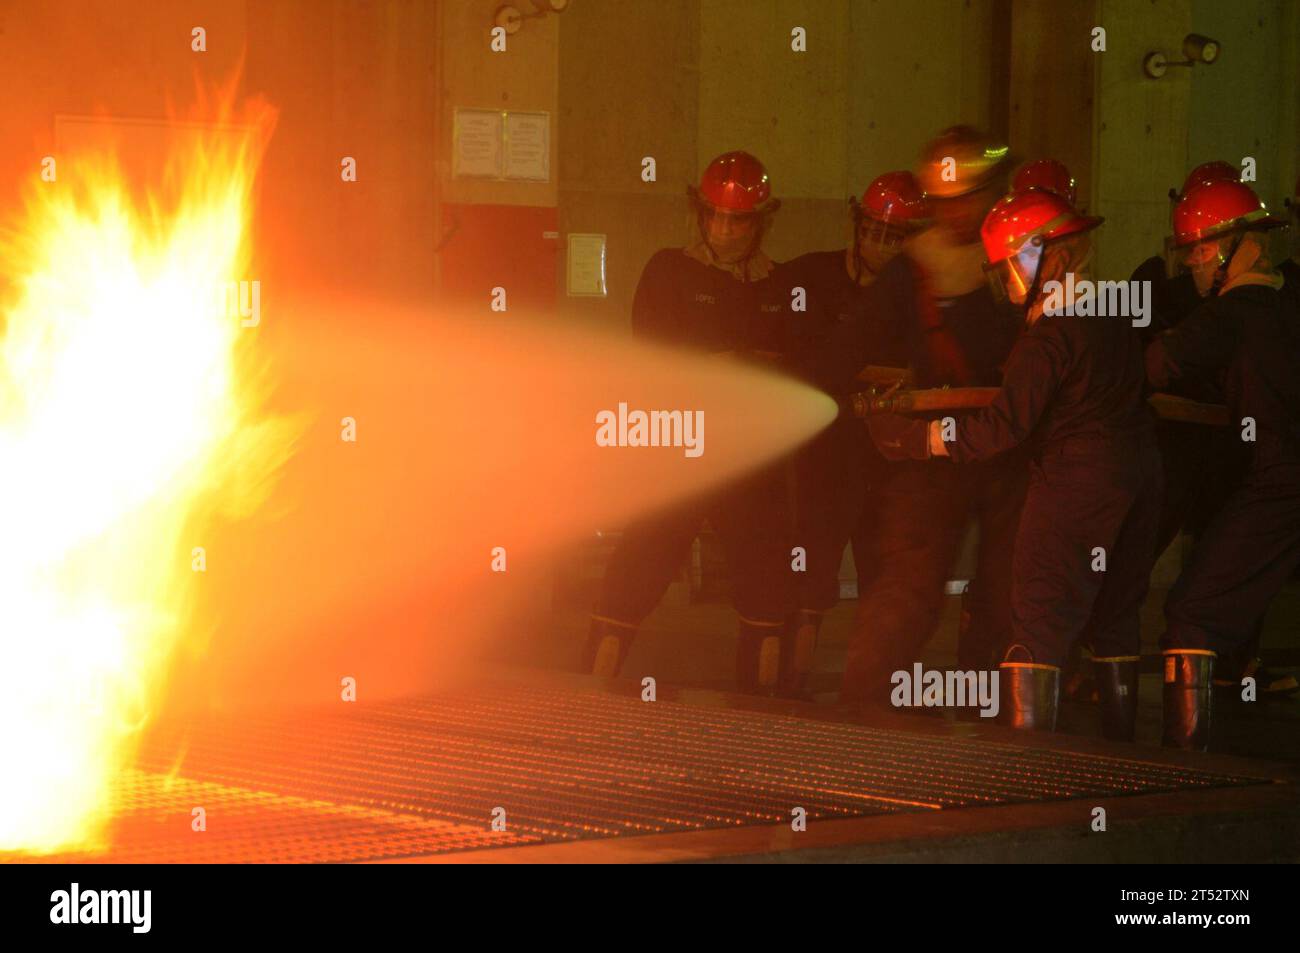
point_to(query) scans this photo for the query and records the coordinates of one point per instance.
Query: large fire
(137, 447)
(131, 414)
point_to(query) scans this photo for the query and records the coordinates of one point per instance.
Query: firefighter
(834, 474)
(1074, 392)
(930, 309)
(1202, 464)
(716, 295)
(1174, 296)
(1246, 329)
(1054, 176)
(1046, 174)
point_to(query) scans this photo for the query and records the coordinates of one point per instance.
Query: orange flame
(130, 408)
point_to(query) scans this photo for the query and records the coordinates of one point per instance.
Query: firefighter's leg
(1247, 663)
(1182, 450)
(639, 572)
(1073, 515)
(828, 502)
(921, 510)
(753, 522)
(1114, 627)
(1000, 496)
(1247, 553)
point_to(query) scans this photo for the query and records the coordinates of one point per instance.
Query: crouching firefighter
(1073, 390)
(1246, 330)
(715, 295)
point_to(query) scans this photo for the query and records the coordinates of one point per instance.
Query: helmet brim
(1244, 223)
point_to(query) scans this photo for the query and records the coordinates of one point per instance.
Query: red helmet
(1019, 227)
(1217, 208)
(735, 182)
(960, 160)
(1216, 171)
(895, 199)
(1046, 174)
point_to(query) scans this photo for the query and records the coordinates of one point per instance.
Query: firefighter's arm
(1204, 341)
(1033, 374)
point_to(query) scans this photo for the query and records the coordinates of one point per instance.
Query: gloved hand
(900, 438)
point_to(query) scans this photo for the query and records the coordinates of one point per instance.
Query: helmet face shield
(1012, 278)
(878, 241)
(1226, 256)
(882, 236)
(1201, 260)
(731, 236)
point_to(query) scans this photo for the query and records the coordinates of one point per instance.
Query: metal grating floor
(418, 777)
(152, 824)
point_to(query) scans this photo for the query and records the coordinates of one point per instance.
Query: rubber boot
(607, 647)
(1189, 680)
(1030, 694)
(798, 646)
(1117, 695)
(972, 652)
(758, 658)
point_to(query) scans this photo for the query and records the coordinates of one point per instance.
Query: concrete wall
(1141, 130)
(347, 78)
(524, 78)
(1245, 104)
(1150, 133)
(684, 80)
(677, 79)
(1053, 86)
(629, 88)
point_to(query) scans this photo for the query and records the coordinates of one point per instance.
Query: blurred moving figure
(930, 309)
(835, 474)
(1046, 174)
(1073, 390)
(716, 295)
(1247, 331)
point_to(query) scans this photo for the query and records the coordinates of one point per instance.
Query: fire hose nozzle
(868, 402)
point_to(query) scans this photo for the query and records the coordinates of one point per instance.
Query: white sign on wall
(477, 143)
(586, 265)
(528, 146)
(496, 144)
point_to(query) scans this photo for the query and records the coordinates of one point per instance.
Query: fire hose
(894, 399)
